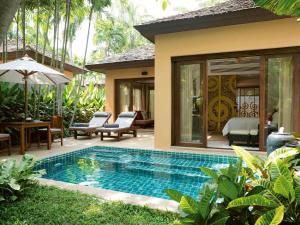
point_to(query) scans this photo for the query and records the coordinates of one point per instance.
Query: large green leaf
(221, 221)
(253, 200)
(297, 195)
(272, 217)
(188, 205)
(209, 172)
(278, 168)
(14, 185)
(284, 187)
(227, 187)
(207, 198)
(253, 162)
(284, 153)
(173, 194)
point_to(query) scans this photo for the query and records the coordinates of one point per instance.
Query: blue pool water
(135, 171)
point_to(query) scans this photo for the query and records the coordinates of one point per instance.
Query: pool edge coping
(110, 195)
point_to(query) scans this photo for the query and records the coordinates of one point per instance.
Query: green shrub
(15, 178)
(258, 192)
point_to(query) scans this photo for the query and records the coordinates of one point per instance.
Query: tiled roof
(221, 8)
(142, 53)
(230, 12)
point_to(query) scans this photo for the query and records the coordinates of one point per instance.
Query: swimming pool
(136, 171)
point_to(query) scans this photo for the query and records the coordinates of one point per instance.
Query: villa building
(227, 71)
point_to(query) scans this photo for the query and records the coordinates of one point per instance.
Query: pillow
(101, 114)
(127, 114)
(114, 125)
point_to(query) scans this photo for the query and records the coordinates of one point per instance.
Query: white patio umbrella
(27, 71)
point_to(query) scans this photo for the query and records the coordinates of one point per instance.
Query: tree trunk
(54, 33)
(66, 32)
(7, 12)
(37, 30)
(83, 65)
(57, 42)
(24, 27)
(45, 39)
(6, 47)
(17, 21)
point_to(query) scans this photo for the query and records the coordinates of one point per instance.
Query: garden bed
(49, 205)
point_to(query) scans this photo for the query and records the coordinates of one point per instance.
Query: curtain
(124, 97)
(137, 99)
(151, 104)
(285, 93)
(189, 94)
(280, 92)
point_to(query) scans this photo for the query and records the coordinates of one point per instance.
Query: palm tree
(7, 12)
(37, 30)
(66, 34)
(94, 5)
(55, 23)
(46, 40)
(17, 22)
(24, 26)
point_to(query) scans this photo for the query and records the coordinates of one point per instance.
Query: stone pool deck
(144, 140)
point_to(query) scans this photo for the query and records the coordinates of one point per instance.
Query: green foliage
(42, 102)
(49, 205)
(281, 7)
(15, 178)
(252, 191)
(115, 33)
(202, 211)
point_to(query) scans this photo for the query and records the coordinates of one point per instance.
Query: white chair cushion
(254, 132)
(51, 129)
(239, 132)
(4, 135)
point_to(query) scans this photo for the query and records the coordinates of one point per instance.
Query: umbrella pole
(26, 96)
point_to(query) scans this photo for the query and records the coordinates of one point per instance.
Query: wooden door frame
(264, 54)
(175, 124)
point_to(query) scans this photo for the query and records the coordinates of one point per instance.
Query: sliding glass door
(278, 95)
(190, 104)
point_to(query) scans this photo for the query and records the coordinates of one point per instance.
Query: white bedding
(240, 123)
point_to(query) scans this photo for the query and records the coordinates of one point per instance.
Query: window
(248, 102)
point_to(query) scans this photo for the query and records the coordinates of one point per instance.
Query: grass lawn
(49, 205)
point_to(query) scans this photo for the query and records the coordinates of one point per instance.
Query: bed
(242, 129)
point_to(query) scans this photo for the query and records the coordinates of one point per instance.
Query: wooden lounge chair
(123, 125)
(87, 129)
(6, 138)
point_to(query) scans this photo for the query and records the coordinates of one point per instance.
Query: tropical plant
(277, 184)
(202, 212)
(251, 191)
(42, 104)
(16, 178)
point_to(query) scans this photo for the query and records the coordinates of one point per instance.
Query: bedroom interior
(233, 101)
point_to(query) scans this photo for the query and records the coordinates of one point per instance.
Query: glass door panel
(192, 129)
(279, 87)
(279, 94)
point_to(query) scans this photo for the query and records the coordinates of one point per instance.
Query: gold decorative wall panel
(221, 101)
